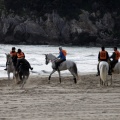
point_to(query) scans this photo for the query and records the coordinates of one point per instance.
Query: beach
(38, 100)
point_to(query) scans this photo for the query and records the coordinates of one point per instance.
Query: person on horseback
(103, 56)
(62, 57)
(22, 61)
(13, 54)
(115, 58)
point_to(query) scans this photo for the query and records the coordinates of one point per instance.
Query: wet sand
(38, 100)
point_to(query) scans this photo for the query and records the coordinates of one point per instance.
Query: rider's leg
(57, 63)
(6, 66)
(98, 72)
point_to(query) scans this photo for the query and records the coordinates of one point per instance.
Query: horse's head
(46, 59)
(9, 58)
(49, 57)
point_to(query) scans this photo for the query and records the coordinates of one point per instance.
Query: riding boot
(98, 73)
(6, 66)
(31, 68)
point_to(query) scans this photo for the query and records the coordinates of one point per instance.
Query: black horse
(23, 72)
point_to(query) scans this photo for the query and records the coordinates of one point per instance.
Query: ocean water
(86, 58)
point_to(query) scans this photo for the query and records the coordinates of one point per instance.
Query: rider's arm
(60, 55)
(113, 55)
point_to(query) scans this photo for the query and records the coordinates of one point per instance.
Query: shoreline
(56, 75)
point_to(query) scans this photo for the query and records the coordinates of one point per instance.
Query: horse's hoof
(75, 81)
(49, 82)
(18, 82)
(49, 78)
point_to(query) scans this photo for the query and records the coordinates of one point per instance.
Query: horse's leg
(100, 81)
(23, 81)
(50, 75)
(8, 75)
(59, 76)
(75, 81)
(111, 80)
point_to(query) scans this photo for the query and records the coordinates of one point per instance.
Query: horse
(66, 65)
(104, 68)
(22, 74)
(10, 66)
(116, 69)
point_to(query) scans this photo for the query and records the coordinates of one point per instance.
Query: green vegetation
(67, 8)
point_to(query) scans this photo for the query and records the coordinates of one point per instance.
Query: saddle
(58, 63)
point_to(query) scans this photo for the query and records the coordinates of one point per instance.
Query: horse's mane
(53, 56)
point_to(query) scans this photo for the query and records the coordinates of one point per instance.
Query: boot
(31, 68)
(98, 73)
(5, 69)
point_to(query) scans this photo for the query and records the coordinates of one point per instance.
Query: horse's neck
(52, 57)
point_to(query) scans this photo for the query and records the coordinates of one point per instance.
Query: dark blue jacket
(61, 56)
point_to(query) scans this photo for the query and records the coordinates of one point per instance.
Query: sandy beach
(38, 100)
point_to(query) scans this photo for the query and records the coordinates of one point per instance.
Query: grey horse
(66, 65)
(10, 66)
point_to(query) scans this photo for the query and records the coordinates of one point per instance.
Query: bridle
(47, 61)
(8, 61)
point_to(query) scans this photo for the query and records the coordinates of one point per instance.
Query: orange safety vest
(117, 55)
(20, 55)
(103, 55)
(13, 53)
(64, 52)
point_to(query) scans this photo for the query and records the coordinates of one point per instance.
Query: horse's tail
(103, 72)
(75, 70)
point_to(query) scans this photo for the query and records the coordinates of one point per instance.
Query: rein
(54, 60)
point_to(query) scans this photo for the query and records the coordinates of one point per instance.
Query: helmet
(13, 48)
(19, 50)
(60, 47)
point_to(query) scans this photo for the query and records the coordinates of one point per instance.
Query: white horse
(116, 69)
(104, 68)
(10, 66)
(70, 65)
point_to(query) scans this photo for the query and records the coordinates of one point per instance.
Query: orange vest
(13, 53)
(103, 55)
(117, 55)
(20, 55)
(64, 52)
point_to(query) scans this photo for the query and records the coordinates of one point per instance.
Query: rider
(115, 57)
(21, 60)
(62, 57)
(103, 56)
(13, 54)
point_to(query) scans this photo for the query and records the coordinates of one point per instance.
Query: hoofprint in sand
(38, 100)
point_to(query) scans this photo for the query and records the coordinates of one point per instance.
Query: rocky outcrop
(90, 29)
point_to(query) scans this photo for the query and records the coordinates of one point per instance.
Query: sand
(38, 100)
